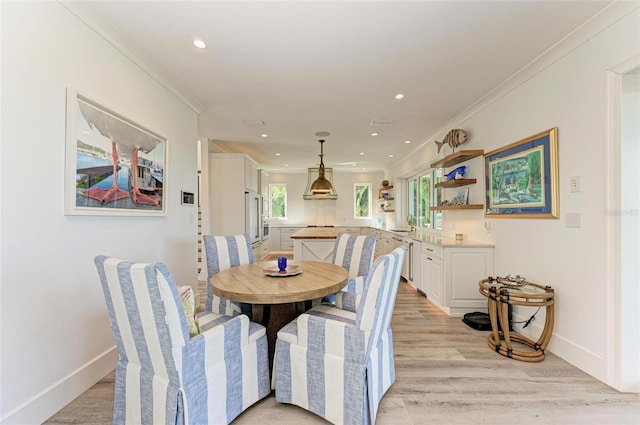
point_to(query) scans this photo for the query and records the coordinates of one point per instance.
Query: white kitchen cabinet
(227, 185)
(350, 230)
(385, 242)
(464, 268)
(432, 284)
(260, 251)
(416, 264)
(263, 180)
(286, 243)
(251, 175)
(450, 276)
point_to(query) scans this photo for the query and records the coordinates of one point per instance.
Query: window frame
(369, 201)
(285, 207)
(432, 219)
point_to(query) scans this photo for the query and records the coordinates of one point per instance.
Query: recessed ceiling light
(286, 165)
(264, 135)
(361, 153)
(277, 154)
(390, 155)
(399, 96)
(199, 43)
(407, 141)
(374, 134)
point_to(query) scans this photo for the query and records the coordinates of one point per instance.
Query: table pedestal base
(274, 318)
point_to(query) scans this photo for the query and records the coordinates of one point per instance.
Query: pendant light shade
(320, 186)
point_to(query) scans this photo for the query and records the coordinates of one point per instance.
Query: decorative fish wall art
(454, 138)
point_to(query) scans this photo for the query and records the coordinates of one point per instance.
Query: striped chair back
(147, 317)
(379, 296)
(354, 253)
(222, 253)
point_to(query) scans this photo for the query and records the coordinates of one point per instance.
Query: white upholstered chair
(338, 362)
(164, 376)
(221, 253)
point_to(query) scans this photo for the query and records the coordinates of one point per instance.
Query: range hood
(314, 173)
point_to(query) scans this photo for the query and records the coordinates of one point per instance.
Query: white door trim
(613, 314)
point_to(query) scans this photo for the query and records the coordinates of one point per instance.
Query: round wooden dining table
(250, 283)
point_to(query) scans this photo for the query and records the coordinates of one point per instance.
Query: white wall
(56, 338)
(569, 94)
(325, 212)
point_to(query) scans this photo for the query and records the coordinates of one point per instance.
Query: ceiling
(308, 66)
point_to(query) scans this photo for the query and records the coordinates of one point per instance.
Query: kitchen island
(314, 243)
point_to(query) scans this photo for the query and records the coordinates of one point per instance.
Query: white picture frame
(101, 142)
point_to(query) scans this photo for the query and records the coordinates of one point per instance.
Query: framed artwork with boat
(113, 166)
(521, 179)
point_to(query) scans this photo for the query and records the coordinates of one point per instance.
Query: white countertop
(443, 241)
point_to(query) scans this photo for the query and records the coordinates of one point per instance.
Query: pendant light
(321, 186)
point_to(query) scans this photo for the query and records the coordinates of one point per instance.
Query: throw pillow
(189, 305)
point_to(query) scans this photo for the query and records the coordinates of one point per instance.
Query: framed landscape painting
(113, 166)
(521, 179)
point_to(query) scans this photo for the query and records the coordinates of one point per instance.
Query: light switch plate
(574, 184)
(572, 220)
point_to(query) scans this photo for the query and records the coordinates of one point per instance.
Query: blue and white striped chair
(354, 253)
(222, 253)
(165, 377)
(338, 363)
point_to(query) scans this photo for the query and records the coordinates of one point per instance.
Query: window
(421, 196)
(424, 200)
(437, 198)
(278, 193)
(362, 200)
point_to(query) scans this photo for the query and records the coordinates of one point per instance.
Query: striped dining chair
(354, 253)
(338, 362)
(222, 253)
(166, 376)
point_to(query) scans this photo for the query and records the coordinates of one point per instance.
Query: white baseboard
(45, 404)
(567, 350)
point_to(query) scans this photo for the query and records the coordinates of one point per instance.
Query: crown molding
(131, 56)
(599, 22)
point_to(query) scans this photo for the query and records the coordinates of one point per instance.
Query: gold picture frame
(521, 179)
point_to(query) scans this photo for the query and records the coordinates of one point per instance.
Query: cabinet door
(432, 278)
(251, 175)
(416, 264)
(286, 243)
(465, 268)
(264, 183)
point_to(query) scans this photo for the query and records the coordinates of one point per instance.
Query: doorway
(623, 229)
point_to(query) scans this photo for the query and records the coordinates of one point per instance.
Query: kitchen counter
(316, 233)
(442, 241)
(314, 243)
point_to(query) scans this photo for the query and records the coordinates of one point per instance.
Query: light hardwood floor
(445, 374)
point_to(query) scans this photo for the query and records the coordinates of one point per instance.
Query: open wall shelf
(456, 183)
(456, 158)
(459, 207)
